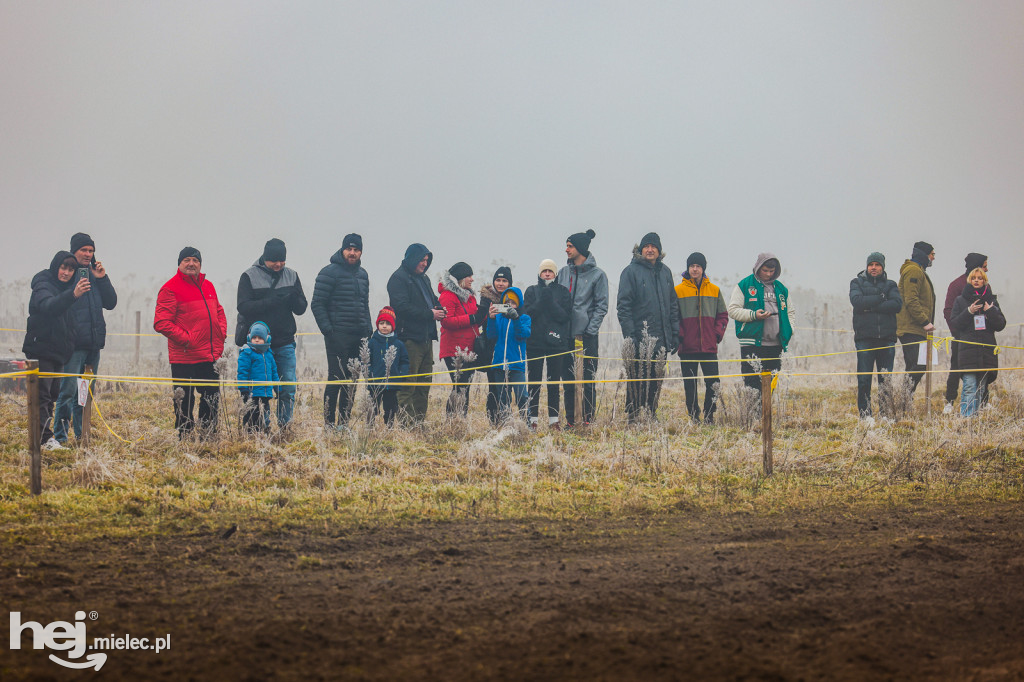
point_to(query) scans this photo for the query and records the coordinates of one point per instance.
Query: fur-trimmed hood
(487, 291)
(638, 256)
(448, 283)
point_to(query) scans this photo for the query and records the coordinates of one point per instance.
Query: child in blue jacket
(510, 330)
(256, 364)
(380, 369)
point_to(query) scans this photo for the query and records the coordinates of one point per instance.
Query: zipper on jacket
(209, 317)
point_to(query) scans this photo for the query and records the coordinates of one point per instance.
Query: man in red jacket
(190, 316)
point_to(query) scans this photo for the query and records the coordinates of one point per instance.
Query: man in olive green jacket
(915, 321)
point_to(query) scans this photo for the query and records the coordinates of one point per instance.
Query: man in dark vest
(271, 293)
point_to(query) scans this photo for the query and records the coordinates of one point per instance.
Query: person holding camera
(509, 328)
(90, 333)
(763, 313)
(975, 319)
(50, 334)
(417, 313)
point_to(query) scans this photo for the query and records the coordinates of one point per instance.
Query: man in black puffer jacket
(876, 300)
(271, 293)
(341, 306)
(418, 312)
(90, 334)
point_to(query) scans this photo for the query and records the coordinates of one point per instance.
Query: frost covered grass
(309, 477)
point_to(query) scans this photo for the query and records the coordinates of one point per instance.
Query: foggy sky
(821, 131)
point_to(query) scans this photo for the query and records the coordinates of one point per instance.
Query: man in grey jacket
(588, 290)
(647, 303)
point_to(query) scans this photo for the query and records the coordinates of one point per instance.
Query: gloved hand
(512, 314)
(245, 395)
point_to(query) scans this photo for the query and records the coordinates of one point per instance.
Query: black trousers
(708, 363)
(770, 361)
(337, 397)
(385, 399)
(590, 349)
(49, 390)
(256, 415)
(953, 380)
(911, 352)
(644, 387)
(458, 400)
(209, 398)
(534, 371)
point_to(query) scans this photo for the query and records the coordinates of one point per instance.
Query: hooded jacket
(749, 296)
(341, 302)
(87, 312)
(458, 328)
(256, 363)
(962, 325)
(703, 316)
(647, 294)
(876, 301)
(918, 300)
(510, 335)
(413, 298)
(272, 297)
(588, 292)
(379, 345)
(956, 287)
(190, 316)
(50, 330)
(549, 306)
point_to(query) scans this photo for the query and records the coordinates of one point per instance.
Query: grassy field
(824, 455)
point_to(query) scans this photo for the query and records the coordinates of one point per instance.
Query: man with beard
(341, 306)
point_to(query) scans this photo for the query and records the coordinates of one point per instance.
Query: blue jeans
(284, 356)
(867, 361)
(972, 395)
(68, 409)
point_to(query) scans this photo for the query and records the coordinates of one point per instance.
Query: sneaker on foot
(54, 444)
(948, 409)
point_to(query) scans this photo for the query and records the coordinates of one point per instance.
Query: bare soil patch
(877, 593)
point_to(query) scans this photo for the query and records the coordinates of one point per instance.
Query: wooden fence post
(578, 376)
(87, 409)
(928, 375)
(138, 336)
(34, 428)
(766, 421)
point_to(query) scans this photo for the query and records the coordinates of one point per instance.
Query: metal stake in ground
(928, 375)
(578, 375)
(87, 409)
(34, 428)
(766, 421)
(138, 336)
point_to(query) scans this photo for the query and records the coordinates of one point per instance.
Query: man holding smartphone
(763, 314)
(90, 333)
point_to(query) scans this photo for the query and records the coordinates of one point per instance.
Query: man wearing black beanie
(341, 307)
(955, 288)
(189, 314)
(271, 293)
(916, 320)
(90, 335)
(588, 289)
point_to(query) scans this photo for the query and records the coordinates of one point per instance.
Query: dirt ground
(835, 594)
